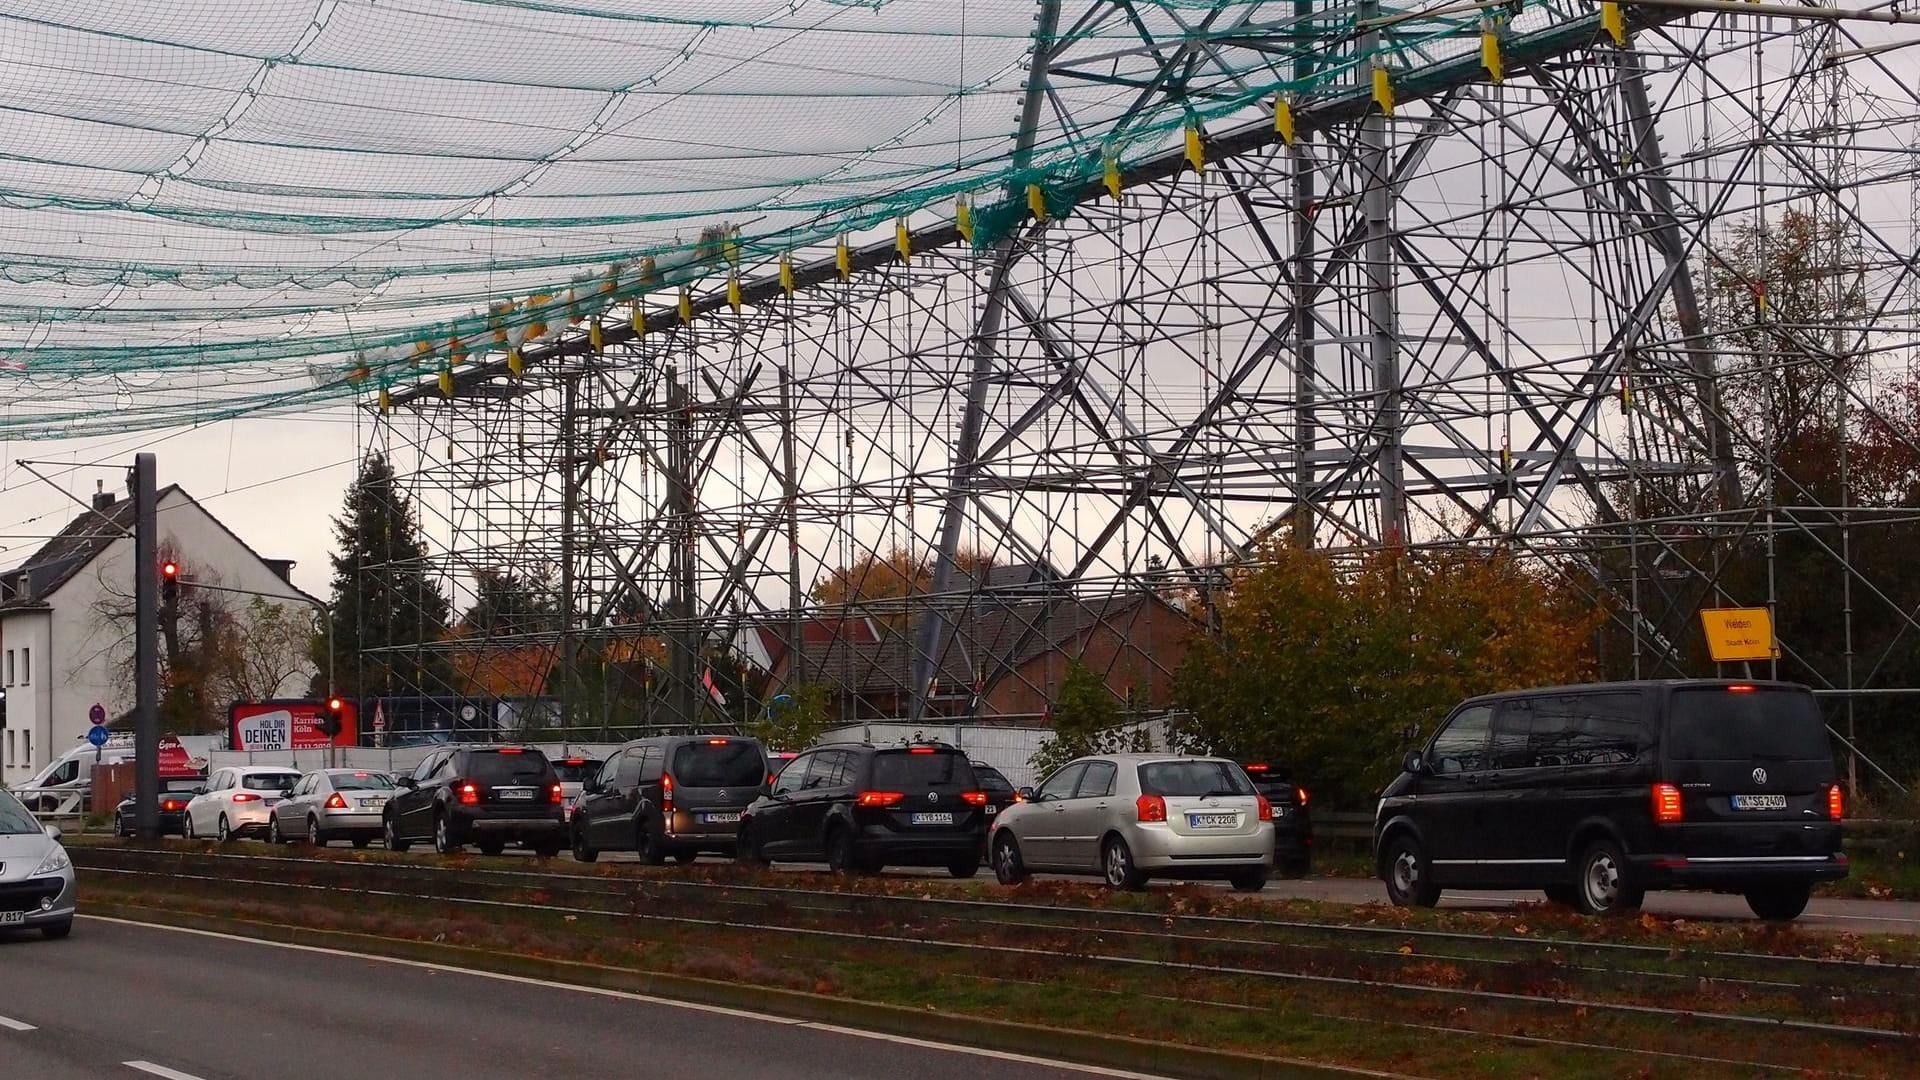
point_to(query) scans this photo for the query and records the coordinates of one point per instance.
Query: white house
(62, 650)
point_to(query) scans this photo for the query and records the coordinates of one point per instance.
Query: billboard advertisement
(288, 725)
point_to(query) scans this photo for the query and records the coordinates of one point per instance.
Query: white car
(237, 801)
(36, 877)
(332, 804)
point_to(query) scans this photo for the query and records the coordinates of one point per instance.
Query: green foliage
(800, 723)
(1335, 670)
(509, 602)
(382, 596)
(1086, 720)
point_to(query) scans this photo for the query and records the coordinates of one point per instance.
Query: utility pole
(146, 657)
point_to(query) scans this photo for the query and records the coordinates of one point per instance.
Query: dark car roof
(1637, 684)
(675, 740)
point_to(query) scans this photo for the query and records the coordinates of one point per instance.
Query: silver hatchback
(1129, 817)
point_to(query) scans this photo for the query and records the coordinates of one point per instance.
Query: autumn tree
(1336, 669)
(1086, 719)
(799, 721)
(883, 585)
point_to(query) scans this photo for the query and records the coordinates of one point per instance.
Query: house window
(26, 748)
(26, 667)
(10, 761)
(9, 667)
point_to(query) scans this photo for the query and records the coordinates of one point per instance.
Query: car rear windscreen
(1192, 779)
(576, 770)
(268, 781)
(1717, 724)
(508, 767)
(362, 781)
(991, 781)
(903, 770)
(721, 763)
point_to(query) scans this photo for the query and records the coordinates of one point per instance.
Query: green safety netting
(215, 207)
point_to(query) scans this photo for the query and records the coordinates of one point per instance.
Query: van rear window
(732, 763)
(1717, 724)
(902, 770)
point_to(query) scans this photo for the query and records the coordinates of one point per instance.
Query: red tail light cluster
(666, 793)
(974, 798)
(336, 801)
(880, 799)
(245, 796)
(1300, 795)
(1836, 802)
(1266, 808)
(554, 796)
(1151, 808)
(169, 805)
(1666, 805)
(469, 795)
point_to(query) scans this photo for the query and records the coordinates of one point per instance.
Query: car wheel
(222, 832)
(443, 835)
(1601, 886)
(56, 931)
(1116, 863)
(843, 856)
(314, 835)
(1008, 867)
(120, 825)
(685, 858)
(360, 842)
(1782, 902)
(1252, 879)
(273, 831)
(648, 844)
(492, 847)
(582, 851)
(1404, 867)
(547, 849)
(186, 827)
(748, 848)
(391, 833)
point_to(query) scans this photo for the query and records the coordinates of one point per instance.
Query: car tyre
(443, 835)
(685, 858)
(273, 831)
(649, 846)
(120, 825)
(360, 842)
(1117, 866)
(391, 834)
(547, 849)
(1780, 902)
(1407, 874)
(749, 849)
(186, 826)
(843, 856)
(1601, 885)
(964, 868)
(56, 931)
(1008, 867)
(222, 831)
(492, 847)
(1251, 880)
(582, 851)
(314, 835)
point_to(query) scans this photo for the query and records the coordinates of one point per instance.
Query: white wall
(24, 747)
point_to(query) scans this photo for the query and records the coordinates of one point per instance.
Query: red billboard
(288, 725)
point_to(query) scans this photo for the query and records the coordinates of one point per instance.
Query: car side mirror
(1026, 793)
(199, 791)
(1414, 762)
(405, 782)
(53, 832)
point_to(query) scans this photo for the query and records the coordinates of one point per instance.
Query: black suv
(491, 795)
(1292, 820)
(862, 807)
(1598, 793)
(676, 795)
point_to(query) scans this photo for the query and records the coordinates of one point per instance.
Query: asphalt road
(123, 1000)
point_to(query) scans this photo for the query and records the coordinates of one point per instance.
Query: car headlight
(56, 862)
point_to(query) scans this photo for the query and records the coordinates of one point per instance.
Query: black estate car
(1292, 819)
(675, 795)
(488, 795)
(863, 807)
(1598, 793)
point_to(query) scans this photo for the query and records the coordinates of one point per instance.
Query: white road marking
(159, 1070)
(14, 1025)
(720, 1010)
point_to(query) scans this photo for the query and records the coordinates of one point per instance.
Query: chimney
(102, 498)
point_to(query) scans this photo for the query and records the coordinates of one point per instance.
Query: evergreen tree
(383, 597)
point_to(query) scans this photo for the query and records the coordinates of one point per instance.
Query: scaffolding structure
(1476, 300)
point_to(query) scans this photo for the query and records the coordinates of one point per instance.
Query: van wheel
(1116, 861)
(582, 851)
(1602, 887)
(391, 829)
(649, 845)
(1409, 876)
(1008, 867)
(1782, 902)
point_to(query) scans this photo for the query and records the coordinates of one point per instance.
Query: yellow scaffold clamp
(686, 306)
(1037, 202)
(902, 240)
(1614, 18)
(1490, 51)
(446, 382)
(1383, 88)
(963, 218)
(733, 292)
(843, 260)
(1112, 177)
(386, 401)
(1283, 122)
(639, 321)
(1196, 150)
(596, 336)
(786, 273)
(516, 362)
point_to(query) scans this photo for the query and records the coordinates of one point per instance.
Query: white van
(66, 783)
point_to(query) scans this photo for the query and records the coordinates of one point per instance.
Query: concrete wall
(24, 749)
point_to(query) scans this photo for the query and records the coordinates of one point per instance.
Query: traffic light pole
(146, 652)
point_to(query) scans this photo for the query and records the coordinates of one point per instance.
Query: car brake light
(1256, 768)
(245, 796)
(469, 795)
(880, 798)
(511, 750)
(1151, 808)
(921, 750)
(974, 798)
(1266, 808)
(574, 761)
(1836, 802)
(553, 794)
(1740, 688)
(666, 793)
(716, 742)
(169, 805)
(336, 801)
(1666, 805)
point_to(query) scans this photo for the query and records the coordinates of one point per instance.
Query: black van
(1598, 793)
(674, 795)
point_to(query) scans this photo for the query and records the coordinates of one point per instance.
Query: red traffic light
(335, 704)
(170, 570)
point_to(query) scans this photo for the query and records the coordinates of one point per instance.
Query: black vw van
(1598, 793)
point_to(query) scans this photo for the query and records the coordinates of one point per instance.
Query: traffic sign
(98, 714)
(98, 736)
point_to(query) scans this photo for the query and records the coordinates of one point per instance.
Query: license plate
(933, 819)
(1212, 821)
(12, 918)
(371, 804)
(992, 809)
(721, 819)
(515, 794)
(1759, 802)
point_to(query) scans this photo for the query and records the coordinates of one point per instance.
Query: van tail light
(554, 796)
(1666, 805)
(879, 799)
(974, 798)
(336, 801)
(1266, 808)
(469, 794)
(1836, 802)
(1300, 795)
(1151, 808)
(245, 796)
(666, 793)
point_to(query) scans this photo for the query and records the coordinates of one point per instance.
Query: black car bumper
(553, 827)
(1680, 872)
(892, 848)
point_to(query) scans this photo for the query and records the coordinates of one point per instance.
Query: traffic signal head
(332, 720)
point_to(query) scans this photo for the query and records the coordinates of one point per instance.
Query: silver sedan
(1128, 817)
(332, 804)
(36, 877)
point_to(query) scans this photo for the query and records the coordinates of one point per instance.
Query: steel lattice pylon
(1478, 318)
